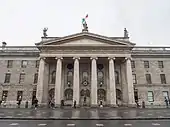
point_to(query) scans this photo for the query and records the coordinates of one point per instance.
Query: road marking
(99, 125)
(127, 125)
(14, 124)
(42, 124)
(155, 124)
(149, 114)
(71, 125)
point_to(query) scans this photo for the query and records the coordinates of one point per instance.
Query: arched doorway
(118, 97)
(51, 93)
(68, 96)
(101, 95)
(85, 97)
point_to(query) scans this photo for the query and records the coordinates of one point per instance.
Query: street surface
(84, 113)
(84, 123)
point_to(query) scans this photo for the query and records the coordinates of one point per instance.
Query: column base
(42, 105)
(113, 105)
(133, 105)
(94, 105)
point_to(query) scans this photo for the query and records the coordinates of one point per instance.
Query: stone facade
(85, 67)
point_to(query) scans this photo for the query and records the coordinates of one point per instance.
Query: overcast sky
(22, 21)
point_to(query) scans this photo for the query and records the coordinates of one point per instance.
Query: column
(129, 78)
(93, 82)
(76, 88)
(58, 81)
(112, 82)
(42, 88)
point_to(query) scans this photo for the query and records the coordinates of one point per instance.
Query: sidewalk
(83, 114)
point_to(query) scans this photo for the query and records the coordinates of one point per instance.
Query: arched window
(100, 76)
(53, 76)
(69, 77)
(68, 94)
(101, 94)
(85, 76)
(116, 77)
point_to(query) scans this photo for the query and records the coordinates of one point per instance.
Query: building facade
(85, 67)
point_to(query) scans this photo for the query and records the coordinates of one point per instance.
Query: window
(160, 64)
(100, 78)
(21, 78)
(7, 78)
(146, 64)
(4, 95)
(53, 76)
(24, 63)
(35, 77)
(19, 95)
(148, 78)
(133, 64)
(37, 63)
(165, 95)
(150, 96)
(134, 78)
(117, 77)
(163, 78)
(10, 63)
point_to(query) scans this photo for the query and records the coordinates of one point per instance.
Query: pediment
(85, 39)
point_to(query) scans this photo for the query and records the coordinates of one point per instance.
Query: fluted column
(58, 81)
(41, 87)
(93, 82)
(76, 88)
(131, 99)
(112, 82)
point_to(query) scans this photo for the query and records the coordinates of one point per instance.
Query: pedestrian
(74, 103)
(36, 103)
(166, 102)
(19, 103)
(52, 103)
(26, 104)
(0, 102)
(143, 104)
(101, 104)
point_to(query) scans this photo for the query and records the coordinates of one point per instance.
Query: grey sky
(22, 21)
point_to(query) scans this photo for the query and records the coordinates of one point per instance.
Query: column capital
(93, 58)
(128, 58)
(111, 58)
(58, 58)
(74, 58)
(43, 58)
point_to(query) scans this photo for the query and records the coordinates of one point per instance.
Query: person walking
(166, 102)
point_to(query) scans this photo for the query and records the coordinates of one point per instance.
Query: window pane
(24, 63)
(9, 64)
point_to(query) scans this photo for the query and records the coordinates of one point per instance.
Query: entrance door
(84, 97)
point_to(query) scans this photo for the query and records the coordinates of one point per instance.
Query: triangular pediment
(85, 39)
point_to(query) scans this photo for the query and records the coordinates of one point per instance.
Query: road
(84, 123)
(85, 113)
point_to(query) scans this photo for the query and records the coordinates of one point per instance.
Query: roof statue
(126, 34)
(45, 32)
(85, 27)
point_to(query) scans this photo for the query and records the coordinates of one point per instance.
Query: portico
(87, 68)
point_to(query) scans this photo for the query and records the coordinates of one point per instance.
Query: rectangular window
(148, 79)
(150, 96)
(21, 78)
(4, 95)
(24, 63)
(7, 78)
(163, 78)
(19, 95)
(35, 77)
(133, 64)
(37, 63)
(146, 64)
(165, 95)
(134, 79)
(160, 64)
(9, 63)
